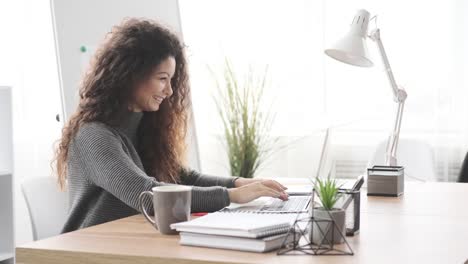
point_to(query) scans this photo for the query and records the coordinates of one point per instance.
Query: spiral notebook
(238, 224)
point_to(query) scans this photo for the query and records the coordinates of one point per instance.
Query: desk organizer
(386, 180)
(302, 233)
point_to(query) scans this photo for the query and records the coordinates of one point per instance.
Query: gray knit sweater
(106, 176)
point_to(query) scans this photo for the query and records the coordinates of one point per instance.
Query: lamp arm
(399, 96)
(392, 144)
(375, 36)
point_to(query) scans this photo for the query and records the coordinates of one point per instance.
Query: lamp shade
(352, 48)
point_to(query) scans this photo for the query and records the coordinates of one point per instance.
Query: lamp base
(385, 181)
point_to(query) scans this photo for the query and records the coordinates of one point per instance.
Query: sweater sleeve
(191, 177)
(112, 169)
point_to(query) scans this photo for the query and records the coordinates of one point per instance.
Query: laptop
(299, 198)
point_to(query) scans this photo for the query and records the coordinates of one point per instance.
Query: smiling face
(149, 94)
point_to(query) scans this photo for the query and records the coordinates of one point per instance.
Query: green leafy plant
(328, 191)
(245, 126)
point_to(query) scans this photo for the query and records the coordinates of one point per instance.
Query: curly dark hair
(129, 54)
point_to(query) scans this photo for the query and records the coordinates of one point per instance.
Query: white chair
(415, 155)
(47, 206)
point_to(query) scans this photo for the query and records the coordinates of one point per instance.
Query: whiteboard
(85, 23)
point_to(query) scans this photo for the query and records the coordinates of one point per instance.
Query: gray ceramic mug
(171, 205)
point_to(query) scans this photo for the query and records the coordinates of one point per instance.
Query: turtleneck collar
(129, 124)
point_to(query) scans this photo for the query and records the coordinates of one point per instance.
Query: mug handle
(142, 209)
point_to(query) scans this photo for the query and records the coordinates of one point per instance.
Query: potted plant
(246, 124)
(324, 231)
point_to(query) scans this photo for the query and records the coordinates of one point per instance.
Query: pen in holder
(353, 211)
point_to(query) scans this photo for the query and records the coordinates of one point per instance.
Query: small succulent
(328, 191)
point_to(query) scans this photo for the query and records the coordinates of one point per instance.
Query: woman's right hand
(252, 191)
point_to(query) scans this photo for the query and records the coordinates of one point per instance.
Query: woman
(128, 132)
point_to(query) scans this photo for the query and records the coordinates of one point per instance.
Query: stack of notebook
(238, 231)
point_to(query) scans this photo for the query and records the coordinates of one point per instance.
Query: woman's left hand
(270, 183)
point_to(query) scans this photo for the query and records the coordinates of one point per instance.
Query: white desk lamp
(352, 49)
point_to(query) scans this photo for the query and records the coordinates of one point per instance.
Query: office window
(424, 43)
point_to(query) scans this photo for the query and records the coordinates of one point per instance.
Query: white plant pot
(334, 236)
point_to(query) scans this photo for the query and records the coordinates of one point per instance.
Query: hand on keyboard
(239, 182)
(252, 191)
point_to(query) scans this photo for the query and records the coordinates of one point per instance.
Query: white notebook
(236, 243)
(238, 224)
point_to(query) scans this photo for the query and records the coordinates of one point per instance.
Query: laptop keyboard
(293, 204)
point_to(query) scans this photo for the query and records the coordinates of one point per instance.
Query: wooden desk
(428, 224)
